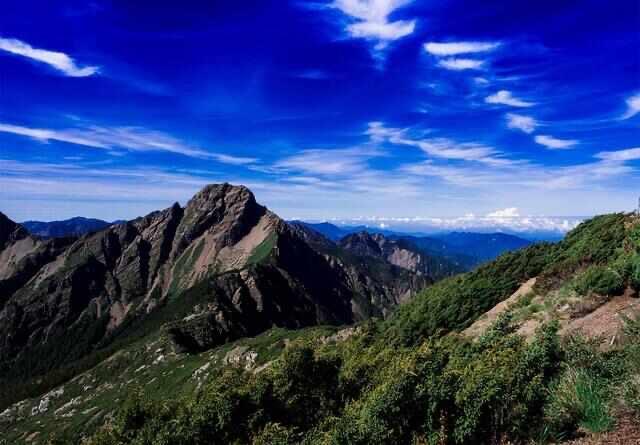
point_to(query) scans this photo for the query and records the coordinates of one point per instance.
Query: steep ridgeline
(77, 226)
(22, 256)
(219, 268)
(400, 252)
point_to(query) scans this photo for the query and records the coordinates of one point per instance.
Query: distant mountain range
(464, 249)
(69, 227)
(461, 250)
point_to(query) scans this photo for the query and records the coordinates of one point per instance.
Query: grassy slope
(148, 366)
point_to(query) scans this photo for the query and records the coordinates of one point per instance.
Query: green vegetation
(601, 280)
(634, 272)
(579, 399)
(595, 241)
(263, 249)
(363, 391)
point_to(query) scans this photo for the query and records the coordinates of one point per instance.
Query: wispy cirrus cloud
(527, 176)
(328, 161)
(444, 51)
(505, 97)
(629, 154)
(460, 64)
(457, 48)
(442, 148)
(633, 106)
(526, 124)
(57, 60)
(127, 138)
(555, 143)
(370, 20)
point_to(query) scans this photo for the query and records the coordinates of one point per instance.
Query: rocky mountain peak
(227, 210)
(10, 231)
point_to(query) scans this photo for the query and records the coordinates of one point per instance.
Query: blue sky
(348, 109)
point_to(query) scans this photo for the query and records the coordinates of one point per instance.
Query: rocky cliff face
(399, 252)
(221, 267)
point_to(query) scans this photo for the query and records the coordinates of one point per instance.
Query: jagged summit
(232, 210)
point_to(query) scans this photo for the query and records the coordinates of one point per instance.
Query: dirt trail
(483, 323)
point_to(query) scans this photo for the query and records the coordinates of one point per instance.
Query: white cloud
(372, 20)
(630, 154)
(522, 175)
(448, 149)
(57, 60)
(511, 212)
(480, 80)
(633, 106)
(554, 143)
(438, 147)
(505, 97)
(520, 122)
(128, 138)
(455, 48)
(460, 64)
(468, 222)
(328, 161)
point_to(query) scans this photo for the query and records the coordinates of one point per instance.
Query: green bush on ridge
(600, 280)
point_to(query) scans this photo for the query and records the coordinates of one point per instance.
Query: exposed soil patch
(606, 321)
(626, 432)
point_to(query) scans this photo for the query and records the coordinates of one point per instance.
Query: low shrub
(600, 280)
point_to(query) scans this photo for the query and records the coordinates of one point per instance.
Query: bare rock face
(219, 268)
(22, 256)
(10, 231)
(226, 211)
